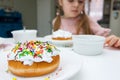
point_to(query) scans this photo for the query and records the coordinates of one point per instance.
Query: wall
(45, 14)
(28, 9)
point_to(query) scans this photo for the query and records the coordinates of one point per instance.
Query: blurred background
(38, 14)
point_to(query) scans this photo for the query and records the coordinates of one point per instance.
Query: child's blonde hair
(84, 23)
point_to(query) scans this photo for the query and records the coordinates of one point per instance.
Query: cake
(61, 35)
(33, 58)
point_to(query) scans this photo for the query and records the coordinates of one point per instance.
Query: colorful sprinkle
(14, 78)
(33, 51)
(47, 79)
(32, 48)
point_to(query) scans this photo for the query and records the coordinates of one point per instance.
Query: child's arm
(111, 40)
(97, 29)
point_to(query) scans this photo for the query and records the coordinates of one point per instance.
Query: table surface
(100, 67)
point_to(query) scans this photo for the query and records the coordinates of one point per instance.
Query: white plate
(63, 43)
(70, 64)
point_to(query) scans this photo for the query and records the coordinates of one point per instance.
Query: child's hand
(113, 41)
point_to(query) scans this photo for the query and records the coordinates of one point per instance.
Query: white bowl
(88, 44)
(24, 35)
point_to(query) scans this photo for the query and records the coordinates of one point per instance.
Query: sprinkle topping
(33, 51)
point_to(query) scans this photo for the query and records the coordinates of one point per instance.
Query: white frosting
(28, 59)
(61, 33)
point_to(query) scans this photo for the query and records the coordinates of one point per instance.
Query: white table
(101, 67)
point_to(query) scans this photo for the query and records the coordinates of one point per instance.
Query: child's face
(72, 8)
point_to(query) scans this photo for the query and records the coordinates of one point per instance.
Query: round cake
(61, 35)
(33, 58)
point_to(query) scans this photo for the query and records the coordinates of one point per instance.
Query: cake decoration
(47, 79)
(14, 78)
(61, 34)
(33, 51)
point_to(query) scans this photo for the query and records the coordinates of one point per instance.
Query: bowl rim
(87, 37)
(27, 30)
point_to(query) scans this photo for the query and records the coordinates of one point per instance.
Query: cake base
(36, 69)
(60, 38)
